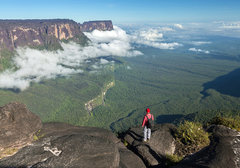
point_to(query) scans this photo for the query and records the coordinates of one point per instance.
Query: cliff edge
(26, 142)
(62, 145)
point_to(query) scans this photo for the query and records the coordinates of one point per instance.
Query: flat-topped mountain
(45, 34)
(105, 25)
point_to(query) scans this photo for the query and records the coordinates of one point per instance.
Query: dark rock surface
(64, 145)
(223, 151)
(161, 143)
(18, 126)
(105, 25)
(59, 145)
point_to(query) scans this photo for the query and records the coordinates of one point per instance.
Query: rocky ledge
(18, 126)
(223, 151)
(62, 145)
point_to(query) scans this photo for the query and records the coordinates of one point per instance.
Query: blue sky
(123, 11)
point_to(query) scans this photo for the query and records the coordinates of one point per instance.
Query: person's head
(148, 110)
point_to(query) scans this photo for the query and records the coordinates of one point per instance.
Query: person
(147, 125)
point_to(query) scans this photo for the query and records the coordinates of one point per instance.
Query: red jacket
(145, 119)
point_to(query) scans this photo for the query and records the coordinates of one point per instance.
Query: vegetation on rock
(191, 137)
(171, 160)
(233, 123)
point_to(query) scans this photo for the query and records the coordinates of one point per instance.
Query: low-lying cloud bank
(34, 65)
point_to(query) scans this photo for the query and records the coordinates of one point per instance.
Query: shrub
(233, 123)
(192, 134)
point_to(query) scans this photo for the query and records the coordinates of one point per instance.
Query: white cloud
(107, 36)
(199, 50)
(166, 29)
(115, 42)
(151, 35)
(34, 65)
(103, 61)
(161, 45)
(198, 43)
(179, 26)
(153, 38)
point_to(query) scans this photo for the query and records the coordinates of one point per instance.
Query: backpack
(150, 122)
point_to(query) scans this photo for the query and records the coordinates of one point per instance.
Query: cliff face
(46, 34)
(105, 25)
(43, 33)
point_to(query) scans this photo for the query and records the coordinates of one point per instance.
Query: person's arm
(152, 117)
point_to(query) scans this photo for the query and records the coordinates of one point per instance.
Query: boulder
(128, 159)
(223, 151)
(161, 143)
(63, 145)
(18, 126)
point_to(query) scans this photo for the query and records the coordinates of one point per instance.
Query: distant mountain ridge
(105, 25)
(46, 34)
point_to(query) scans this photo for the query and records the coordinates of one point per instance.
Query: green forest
(174, 84)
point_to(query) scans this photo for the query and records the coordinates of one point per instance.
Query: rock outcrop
(162, 142)
(18, 126)
(62, 145)
(223, 151)
(105, 25)
(26, 142)
(39, 33)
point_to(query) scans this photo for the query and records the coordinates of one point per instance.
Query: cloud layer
(34, 65)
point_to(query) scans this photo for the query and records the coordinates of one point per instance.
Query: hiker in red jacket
(147, 124)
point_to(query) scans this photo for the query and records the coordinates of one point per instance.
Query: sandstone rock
(17, 125)
(161, 143)
(44, 33)
(223, 151)
(105, 25)
(64, 145)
